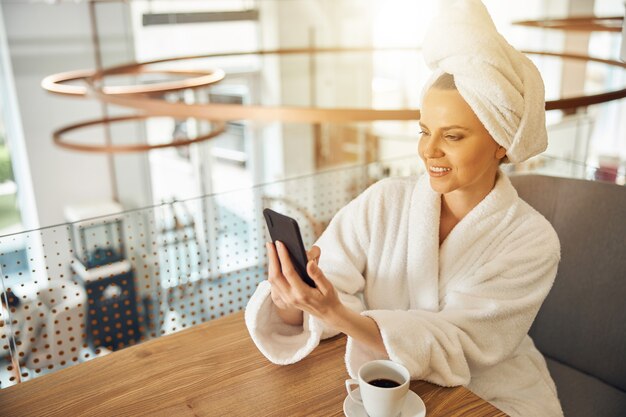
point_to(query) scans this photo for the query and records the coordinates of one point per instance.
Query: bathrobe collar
(425, 277)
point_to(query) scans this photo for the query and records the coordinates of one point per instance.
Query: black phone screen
(286, 229)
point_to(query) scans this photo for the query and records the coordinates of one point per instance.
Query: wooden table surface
(212, 369)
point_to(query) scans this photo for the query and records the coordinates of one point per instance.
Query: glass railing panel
(76, 291)
(80, 290)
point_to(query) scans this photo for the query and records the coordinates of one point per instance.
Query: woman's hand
(288, 314)
(292, 296)
(275, 268)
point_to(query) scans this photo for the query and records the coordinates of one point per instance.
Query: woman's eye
(452, 137)
(422, 133)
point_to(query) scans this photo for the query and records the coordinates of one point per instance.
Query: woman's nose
(430, 147)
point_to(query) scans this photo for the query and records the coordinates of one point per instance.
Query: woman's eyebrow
(423, 126)
(454, 127)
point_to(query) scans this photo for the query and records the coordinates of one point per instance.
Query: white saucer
(413, 406)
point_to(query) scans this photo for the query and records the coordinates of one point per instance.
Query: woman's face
(459, 154)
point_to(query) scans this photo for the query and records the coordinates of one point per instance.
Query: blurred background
(179, 228)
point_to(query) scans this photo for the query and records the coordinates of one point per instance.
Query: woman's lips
(438, 171)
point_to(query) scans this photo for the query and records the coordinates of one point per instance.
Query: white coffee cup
(379, 401)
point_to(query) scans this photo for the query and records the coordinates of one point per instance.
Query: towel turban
(501, 85)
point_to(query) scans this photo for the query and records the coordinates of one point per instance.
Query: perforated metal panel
(183, 264)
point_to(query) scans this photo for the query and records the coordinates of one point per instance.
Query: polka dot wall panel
(76, 291)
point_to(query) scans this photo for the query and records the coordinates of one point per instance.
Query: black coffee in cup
(384, 383)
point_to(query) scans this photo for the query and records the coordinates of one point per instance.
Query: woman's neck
(456, 205)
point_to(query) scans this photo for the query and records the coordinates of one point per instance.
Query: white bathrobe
(455, 314)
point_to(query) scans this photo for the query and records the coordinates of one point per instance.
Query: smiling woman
(445, 273)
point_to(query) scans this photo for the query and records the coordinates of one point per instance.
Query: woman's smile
(436, 171)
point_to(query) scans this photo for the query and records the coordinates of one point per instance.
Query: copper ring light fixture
(141, 97)
(213, 111)
(60, 140)
(580, 24)
(584, 100)
(226, 112)
(58, 83)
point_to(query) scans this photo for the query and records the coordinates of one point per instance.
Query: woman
(444, 273)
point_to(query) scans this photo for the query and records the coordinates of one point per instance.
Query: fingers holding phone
(321, 301)
(291, 273)
(279, 289)
(289, 264)
(275, 276)
(286, 230)
(314, 254)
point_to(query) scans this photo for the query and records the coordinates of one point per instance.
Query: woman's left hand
(322, 301)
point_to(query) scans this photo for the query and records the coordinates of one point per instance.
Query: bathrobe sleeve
(343, 256)
(483, 317)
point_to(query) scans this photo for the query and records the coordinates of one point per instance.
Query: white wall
(44, 39)
(15, 133)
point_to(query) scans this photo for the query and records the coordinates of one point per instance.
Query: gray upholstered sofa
(581, 327)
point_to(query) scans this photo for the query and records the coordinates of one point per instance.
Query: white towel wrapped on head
(501, 85)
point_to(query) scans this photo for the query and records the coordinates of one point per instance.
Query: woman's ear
(500, 152)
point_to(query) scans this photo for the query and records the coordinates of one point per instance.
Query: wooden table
(212, 369)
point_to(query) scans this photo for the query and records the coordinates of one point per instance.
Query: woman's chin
(438, 185)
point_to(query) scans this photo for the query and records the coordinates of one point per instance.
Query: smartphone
(286, 229)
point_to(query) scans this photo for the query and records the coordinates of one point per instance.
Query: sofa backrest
(582, 323)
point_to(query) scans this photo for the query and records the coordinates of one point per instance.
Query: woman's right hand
(290, 315)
